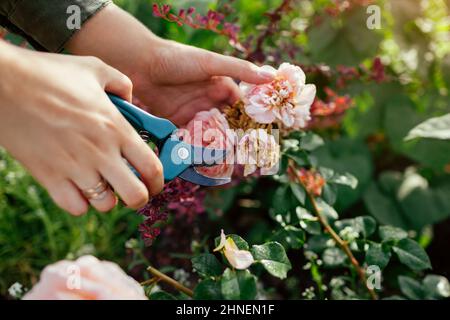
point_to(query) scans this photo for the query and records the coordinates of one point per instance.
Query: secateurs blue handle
(178, 158)
(159, 128)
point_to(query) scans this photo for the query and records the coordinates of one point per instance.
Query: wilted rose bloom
(87, 278)
(209, 129)
(286, 100)
(257, 149)
(239, 259)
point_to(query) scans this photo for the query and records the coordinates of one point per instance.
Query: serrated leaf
(411, 288)
(389, 233)
(333, 257)
(208, 290)
(378, 255)
(436, 287)
(436, 128)
(411, 254)
(207, 265)
(238, 285)
(273, 258)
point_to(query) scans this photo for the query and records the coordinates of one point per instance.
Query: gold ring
(98, 192)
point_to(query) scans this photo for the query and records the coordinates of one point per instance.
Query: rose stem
(341, 243)
(158, 274)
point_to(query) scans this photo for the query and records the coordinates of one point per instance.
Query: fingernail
(269, 75)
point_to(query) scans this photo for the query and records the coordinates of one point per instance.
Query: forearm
(118, 39)
(11, 58)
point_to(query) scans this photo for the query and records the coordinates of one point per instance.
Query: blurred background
(402, 78)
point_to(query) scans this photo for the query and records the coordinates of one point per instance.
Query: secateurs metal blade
(178, 158)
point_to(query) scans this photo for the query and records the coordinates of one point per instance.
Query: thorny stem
(340, 242)
(174, 283)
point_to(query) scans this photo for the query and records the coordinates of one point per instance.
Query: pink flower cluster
(285, 101)
(179, 196)
(213, 21)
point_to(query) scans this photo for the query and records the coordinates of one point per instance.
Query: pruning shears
(178, 158)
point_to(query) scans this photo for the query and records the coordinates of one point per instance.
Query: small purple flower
(180, 197)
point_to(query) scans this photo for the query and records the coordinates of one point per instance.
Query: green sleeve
(44, 22)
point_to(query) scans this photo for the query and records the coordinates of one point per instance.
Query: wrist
(117, 38)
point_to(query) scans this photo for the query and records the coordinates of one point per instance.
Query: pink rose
(286, 100)
(209, 129)
(87, 278)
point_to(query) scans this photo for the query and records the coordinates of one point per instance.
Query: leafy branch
(340, 242)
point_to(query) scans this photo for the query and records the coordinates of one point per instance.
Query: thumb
(220, 65)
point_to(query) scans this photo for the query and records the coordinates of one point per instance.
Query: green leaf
(379, 255)
(347, 155)
(333, 257)
(436, 287)
(364, 225)
(240, 243)
(161, 295)
(282, 199)
(318, 243)
(290, 237)
(326, 210)
(238, 285)
(389, 233)
(383, 206)
(273, 258)
(411, 288)
(311, 141)
(437, 128)
(411, 254)
(300, 157)
(207, 265)
(308, 222)
(298, 192)
(345, 179)
(329, 193)
(208, 290)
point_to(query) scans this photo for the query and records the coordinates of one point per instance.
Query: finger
(66, 195)
(129, 188)
(144, 160)
(105, 200)
(219, 65)
(223, 90)
(115, 82)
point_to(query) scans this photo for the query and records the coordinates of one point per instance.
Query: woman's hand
(56, 119)
(174, 80)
